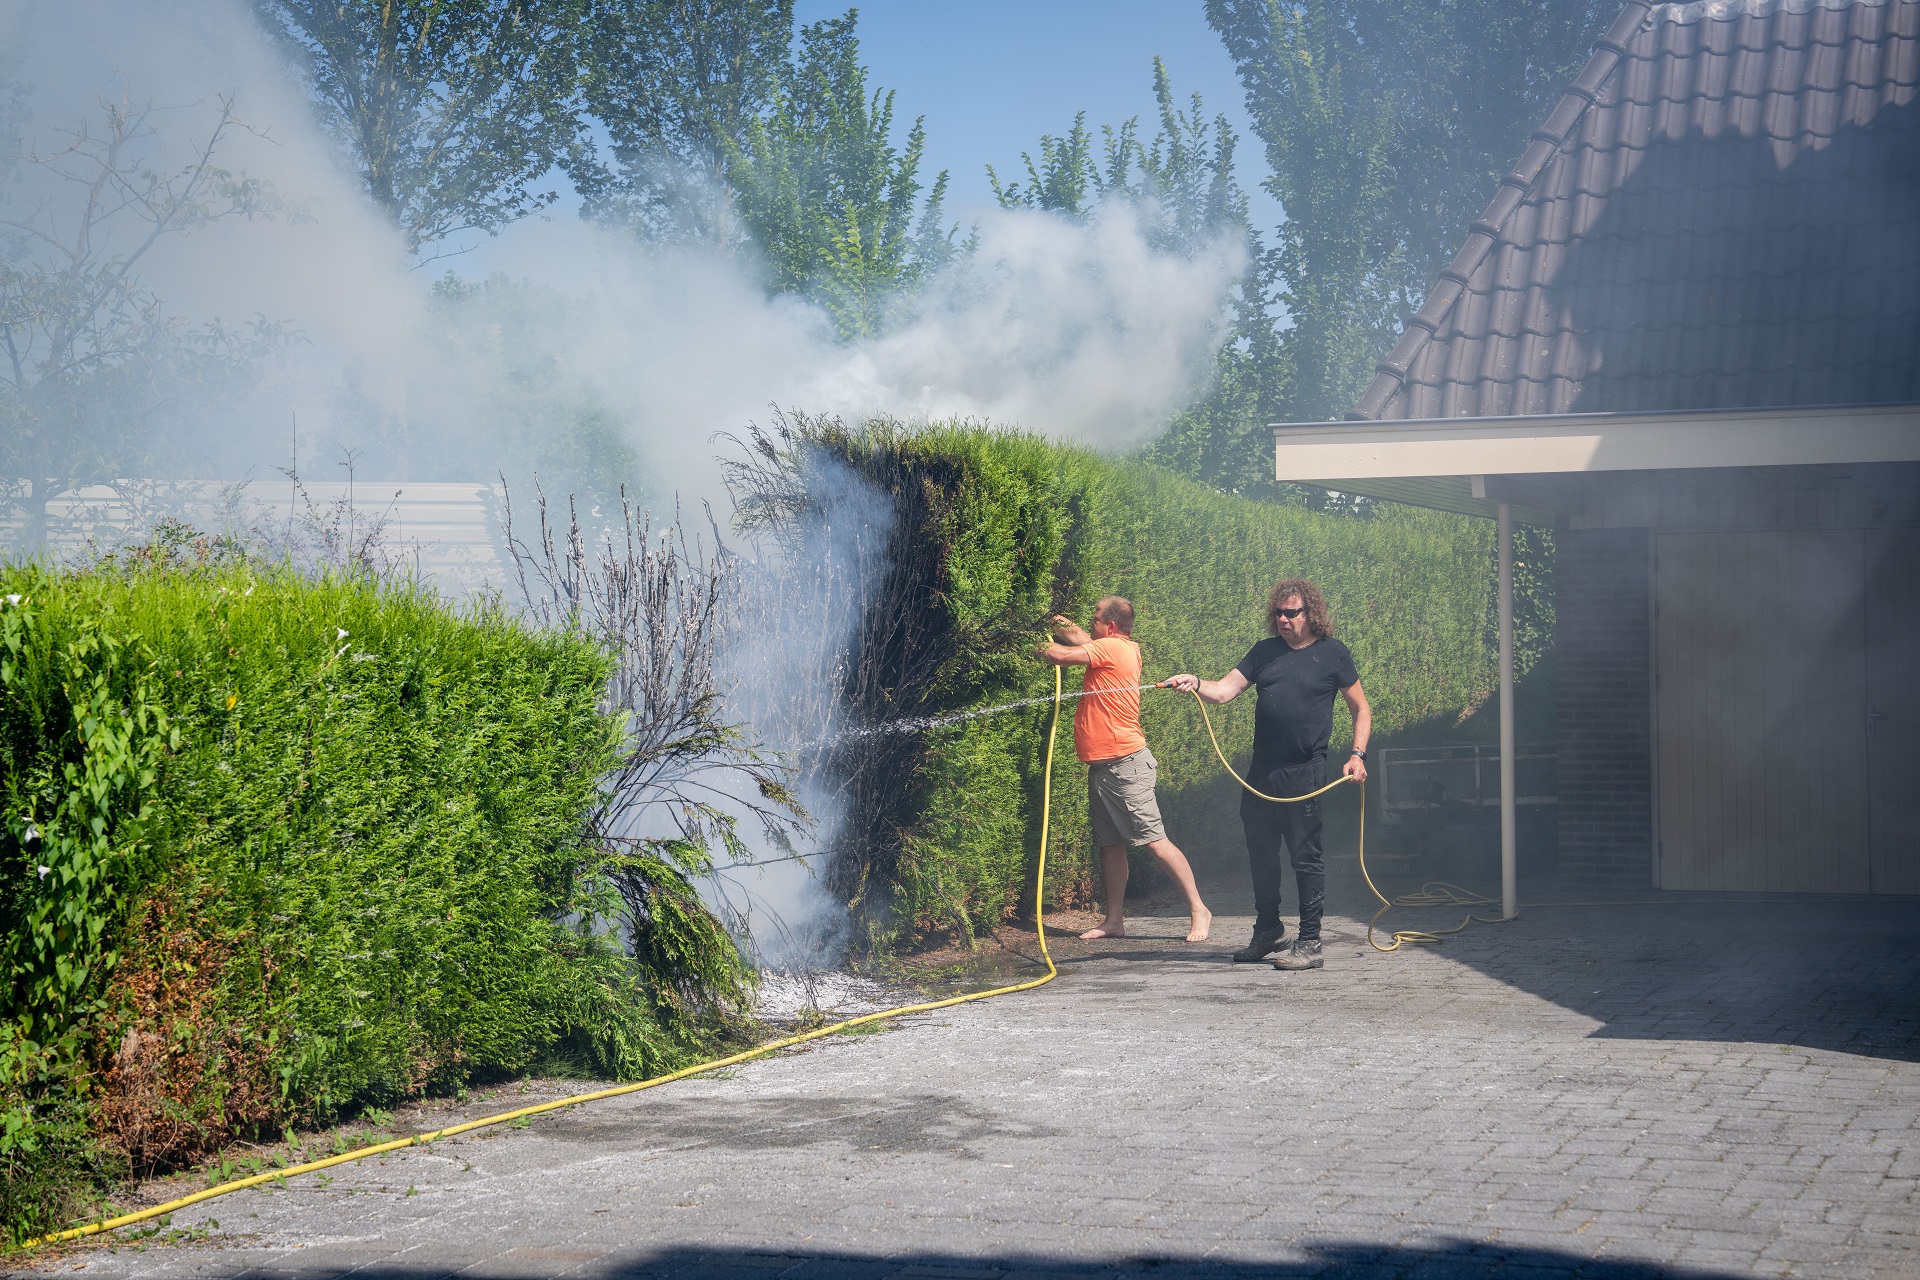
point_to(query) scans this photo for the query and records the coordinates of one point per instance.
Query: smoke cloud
(1081, 332)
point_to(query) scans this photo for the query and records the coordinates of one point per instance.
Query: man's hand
(1224, 690)
(1354, 768)
(1068, 632)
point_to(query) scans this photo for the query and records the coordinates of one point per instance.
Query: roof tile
(1722, 210)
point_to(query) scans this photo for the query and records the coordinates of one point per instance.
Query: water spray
(920, 724)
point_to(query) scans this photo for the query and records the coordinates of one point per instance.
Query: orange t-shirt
(1106, 725)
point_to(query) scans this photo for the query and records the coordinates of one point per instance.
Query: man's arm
(1225, 689)
(1356, 767)
(1069, 645)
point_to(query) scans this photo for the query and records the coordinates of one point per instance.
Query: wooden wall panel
(1760, 639)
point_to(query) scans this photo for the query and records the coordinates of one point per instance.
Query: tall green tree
(826, 197)
(1067, 177)
(1181, 181)
(452, 110)
(1386, 125)
(728, 132)
(674, 83)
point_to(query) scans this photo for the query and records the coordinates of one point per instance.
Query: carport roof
(1445, 463)
(1723, 211)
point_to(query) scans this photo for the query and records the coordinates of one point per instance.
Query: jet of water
(920, 724)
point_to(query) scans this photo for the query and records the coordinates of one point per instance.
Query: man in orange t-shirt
(1120, 770)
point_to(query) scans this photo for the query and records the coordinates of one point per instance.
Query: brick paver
(1685, 1090)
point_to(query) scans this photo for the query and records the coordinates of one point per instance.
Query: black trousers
(1297, 826)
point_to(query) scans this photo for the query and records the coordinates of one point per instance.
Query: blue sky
(991, 76)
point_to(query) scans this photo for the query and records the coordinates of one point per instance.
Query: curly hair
(1319, 621)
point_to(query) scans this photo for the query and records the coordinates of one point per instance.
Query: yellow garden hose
(1040, 926)
(1436, 893)
(1431, 895)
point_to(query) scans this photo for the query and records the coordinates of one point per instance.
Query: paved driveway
(1713, 1090)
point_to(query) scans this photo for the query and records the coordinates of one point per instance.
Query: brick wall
(1606, 781)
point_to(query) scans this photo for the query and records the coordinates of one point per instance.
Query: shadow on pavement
(1841, 974)
(1822, 972)
(1347, 1261)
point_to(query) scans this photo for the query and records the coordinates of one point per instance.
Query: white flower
(13, 597)
(33, 833)
(44, 869)
(339, 633)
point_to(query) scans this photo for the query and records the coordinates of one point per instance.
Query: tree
(1182, 182)
(726, 135)
(91, 362)
(1387, 124)
(451, 109)
(1066, 179)
(674, 83)
(824, 195)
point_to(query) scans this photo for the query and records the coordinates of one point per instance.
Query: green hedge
(273, 847)
(1026, 527)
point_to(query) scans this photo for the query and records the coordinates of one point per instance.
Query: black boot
(1304, 954)
(1266, 940)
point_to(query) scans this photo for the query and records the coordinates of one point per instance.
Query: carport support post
(1508, 877)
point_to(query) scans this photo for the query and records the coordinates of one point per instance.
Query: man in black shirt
(1296, 673)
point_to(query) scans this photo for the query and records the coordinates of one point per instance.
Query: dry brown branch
(655, 599)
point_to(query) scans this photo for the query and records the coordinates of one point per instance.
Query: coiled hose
(1435, 893)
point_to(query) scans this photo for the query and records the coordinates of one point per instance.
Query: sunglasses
(1288, 613)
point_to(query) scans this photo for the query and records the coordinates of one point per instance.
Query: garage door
(1771, 651)
(1761, 655)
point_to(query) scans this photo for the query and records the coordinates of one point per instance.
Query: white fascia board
(1318, 451)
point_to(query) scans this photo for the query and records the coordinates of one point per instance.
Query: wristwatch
(1363, 755)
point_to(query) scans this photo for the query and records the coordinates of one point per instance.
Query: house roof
(1723, 211)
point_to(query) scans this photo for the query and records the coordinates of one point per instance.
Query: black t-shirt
(1294, 715)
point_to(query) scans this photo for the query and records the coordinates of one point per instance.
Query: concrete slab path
(1634, 1091)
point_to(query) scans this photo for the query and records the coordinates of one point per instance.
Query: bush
(277, 847)
(49, 1160)
(996, 530)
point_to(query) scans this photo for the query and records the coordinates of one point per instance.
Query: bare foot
(1106, 931)
(1202, 925)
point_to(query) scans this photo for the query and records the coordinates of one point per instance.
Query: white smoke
(1081, 332)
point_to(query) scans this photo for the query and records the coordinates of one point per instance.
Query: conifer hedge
(1024, 528)
(272, 848)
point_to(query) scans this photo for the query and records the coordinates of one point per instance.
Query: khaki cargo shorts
(1121, 802)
